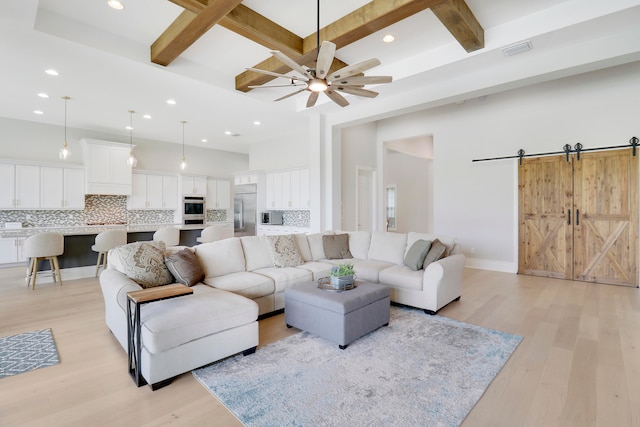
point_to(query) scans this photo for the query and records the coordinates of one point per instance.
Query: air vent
(517, 48)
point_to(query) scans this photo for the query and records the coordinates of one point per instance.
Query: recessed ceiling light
(203, 140)
(257, 123)
(38, 112)
(388, 38)
(147, 116)
(52, 72)
(227, 132)
(43, 95)
(171, 101)
(115, 4)
(128, 128)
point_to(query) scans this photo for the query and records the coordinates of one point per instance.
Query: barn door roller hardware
(566, 149)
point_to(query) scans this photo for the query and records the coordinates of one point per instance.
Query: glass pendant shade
(131, 161)
(64, 151)
(183, 164)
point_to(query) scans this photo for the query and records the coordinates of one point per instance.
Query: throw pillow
(284, 251)
(435, 253)
(143, 262)
(336, 246)
(414, 259)
(185, 267)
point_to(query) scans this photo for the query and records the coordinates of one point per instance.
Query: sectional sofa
(245, 277)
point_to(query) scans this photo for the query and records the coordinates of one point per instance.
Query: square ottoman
(339, 317)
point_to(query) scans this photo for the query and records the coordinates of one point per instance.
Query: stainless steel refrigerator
(244, 210)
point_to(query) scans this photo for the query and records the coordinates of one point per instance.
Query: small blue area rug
(26, 352)
(421, 370)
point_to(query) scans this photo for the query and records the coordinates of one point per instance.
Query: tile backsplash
(102, 209)
(296, 218)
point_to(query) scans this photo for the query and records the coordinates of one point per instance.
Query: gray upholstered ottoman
(340, 317)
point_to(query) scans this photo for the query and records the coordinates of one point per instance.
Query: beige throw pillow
(143, 262)
(336, 246)
(284, 251)
(435, 253)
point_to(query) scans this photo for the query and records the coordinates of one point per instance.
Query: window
(390, 202)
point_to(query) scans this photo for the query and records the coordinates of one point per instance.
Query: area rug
(26, 352)
(420, 370)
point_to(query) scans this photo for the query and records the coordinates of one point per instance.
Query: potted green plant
(342, 275)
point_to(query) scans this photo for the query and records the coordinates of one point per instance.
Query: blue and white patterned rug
(26, 352)
(421, 370)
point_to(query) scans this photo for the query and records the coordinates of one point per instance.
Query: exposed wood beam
(192, 5)
(188, 28)
(459, 20)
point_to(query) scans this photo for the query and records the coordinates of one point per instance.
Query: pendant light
(64, 151)
(131, 161)
(183, 164)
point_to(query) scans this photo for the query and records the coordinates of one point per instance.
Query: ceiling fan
(315, 80)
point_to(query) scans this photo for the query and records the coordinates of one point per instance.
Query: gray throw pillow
(336, 246)
(435, 253)
(185, 267)
(414, 259)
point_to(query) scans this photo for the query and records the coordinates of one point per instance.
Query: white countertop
(95, 229)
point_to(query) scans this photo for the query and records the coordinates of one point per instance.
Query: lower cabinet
(12, 250)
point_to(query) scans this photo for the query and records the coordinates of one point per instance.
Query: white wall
(476, 202)
(22, 140)
(289, 151)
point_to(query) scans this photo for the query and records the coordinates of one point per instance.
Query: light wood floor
(578, 365)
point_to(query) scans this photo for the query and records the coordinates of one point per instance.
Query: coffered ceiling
(196, 52)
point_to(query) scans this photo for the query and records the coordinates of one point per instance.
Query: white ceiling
(103, 59)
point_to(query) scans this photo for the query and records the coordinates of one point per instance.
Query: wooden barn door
(545, 230)
(579, 219)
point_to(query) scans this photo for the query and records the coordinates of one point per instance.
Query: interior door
(545, 224)
(606, 226)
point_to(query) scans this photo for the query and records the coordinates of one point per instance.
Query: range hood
(107, 171)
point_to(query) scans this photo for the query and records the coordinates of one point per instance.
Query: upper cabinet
(153, 191)
(288, 190)
(193, 185)
(20, 186)
(107, 170)
(218, 194)
(61, 188)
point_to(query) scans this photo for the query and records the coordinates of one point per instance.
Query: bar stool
(210, 234)
(43, 246)
(104, 242)
(169, 235)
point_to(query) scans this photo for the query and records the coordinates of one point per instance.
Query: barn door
(545, 230)
(606, 227)
(578, 219)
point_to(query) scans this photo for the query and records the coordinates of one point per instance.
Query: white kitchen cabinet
(61, 188)
(20, 186)
(153, 191)
(305, 189)
(288, 190)
(248, 178)
(7, 189)
(11, 250)
(107, 170)
(218, 194)
(193, 185)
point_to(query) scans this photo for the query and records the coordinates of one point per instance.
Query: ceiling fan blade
(364, 80)
(351, 70)
(271, 73)
(312, 99)
(265, 86)
(325, 59)
(337, 98)
(291, 63)
(291, 94)
(357, 91)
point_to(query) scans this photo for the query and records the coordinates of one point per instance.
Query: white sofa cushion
(256, 252)
(316, 246)
(389, 247)
(317, 269)
(369, 270)
(401, 276)
(359, 242)
(221, 257)
(245, 283)
(173, 322)
(285, 277)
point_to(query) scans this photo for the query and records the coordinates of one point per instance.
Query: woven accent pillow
(143, 262)
(185, 267)
(284, 252)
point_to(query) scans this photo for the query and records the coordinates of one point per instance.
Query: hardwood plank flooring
(578, 365)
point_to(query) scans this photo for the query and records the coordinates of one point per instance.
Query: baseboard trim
(487, 264)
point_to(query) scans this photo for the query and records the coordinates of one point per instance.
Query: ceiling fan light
(317, 85)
